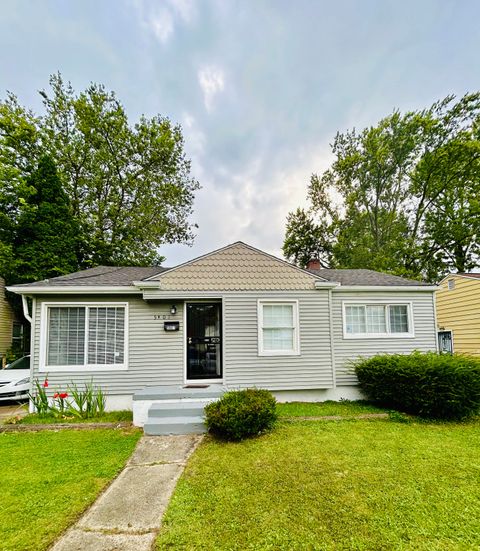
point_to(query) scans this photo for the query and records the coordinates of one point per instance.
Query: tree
(384, 202)
(18, 156)
(129, 186)
(46, 236)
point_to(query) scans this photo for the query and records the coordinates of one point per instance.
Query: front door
(204, 340)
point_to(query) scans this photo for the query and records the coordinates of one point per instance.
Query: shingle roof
(365, 277)
(474, 275)
(102, 276)
(236, 267)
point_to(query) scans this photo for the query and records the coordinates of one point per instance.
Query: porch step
(175, 409)
(192, 424)
(180, 392)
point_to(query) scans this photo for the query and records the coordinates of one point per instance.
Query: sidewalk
(127, 516)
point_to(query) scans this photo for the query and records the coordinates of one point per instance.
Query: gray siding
(155, 356)
(350, 349)
(243, 367)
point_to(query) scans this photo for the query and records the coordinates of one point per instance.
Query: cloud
(260, 88)
(212, 82)
(161, 18)
(161, 24)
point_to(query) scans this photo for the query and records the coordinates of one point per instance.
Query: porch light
(173, 310)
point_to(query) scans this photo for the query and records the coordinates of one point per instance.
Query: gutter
(382, 288)
(73, 289)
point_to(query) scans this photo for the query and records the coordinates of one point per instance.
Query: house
(236, 317)
(6, 323)
(458, 313)
(14, 334)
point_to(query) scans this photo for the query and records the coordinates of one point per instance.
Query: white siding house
(236, 317)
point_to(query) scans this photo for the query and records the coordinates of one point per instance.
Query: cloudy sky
(260, 87)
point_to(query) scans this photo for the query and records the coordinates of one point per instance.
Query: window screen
(278, 327)
(399, 318)
(106, 328)
(100, 329)
(355, 321)
(376, 322)
(381, 319)
(66, 336)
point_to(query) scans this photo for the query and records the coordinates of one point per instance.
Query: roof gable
(234, 268)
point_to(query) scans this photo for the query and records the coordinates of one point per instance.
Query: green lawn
(48, 478)
(318, 409)
(107, 417)
(363, 485)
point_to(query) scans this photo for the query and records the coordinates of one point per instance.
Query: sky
(260, 87)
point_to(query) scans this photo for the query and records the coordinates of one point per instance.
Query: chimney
(313, 264)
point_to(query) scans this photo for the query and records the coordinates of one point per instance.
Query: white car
(15, 380)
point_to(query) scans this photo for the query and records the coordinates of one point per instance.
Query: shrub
(241, 413)
(431, 385)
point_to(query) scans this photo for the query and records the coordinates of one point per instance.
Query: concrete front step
(181, 392)
(175, 409)
(155, 408)
(175, 425)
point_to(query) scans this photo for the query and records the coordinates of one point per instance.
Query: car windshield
(21, 363)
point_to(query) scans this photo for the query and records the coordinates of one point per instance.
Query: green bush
(241, 413)
(440, 386)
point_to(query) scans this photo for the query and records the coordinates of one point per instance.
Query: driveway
(12, 409)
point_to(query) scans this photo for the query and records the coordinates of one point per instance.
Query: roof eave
(378, 288)
(326, 284)
(73, 289)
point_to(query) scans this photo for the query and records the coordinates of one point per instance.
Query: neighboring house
(14, 335)
(6, 323)
(236, 316)
(458, 313)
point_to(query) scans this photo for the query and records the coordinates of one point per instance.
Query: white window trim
(387, 335)
(85, 368)
(296, 328)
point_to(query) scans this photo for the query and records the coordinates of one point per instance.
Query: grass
(347, 485)
(48, 478)
(107, 417)
(319, 409)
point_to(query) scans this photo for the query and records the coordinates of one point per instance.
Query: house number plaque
(162, 316)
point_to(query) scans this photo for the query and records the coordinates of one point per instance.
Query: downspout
(25, 309)
(332, 340)
(435, 322)
(28, 317)
(32, 350)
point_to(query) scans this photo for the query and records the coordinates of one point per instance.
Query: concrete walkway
(127, 516)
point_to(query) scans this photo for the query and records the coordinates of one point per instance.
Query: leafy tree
(399, 197)
(46, 236)
(129, 186)
(305, 244)
(18, 156)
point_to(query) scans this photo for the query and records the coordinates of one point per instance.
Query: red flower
(56, 395)
(63, 395)
(45, 384)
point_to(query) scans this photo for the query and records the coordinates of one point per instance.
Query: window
(20, 338)
(278, 328)
(85, 336)
(364, 320)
